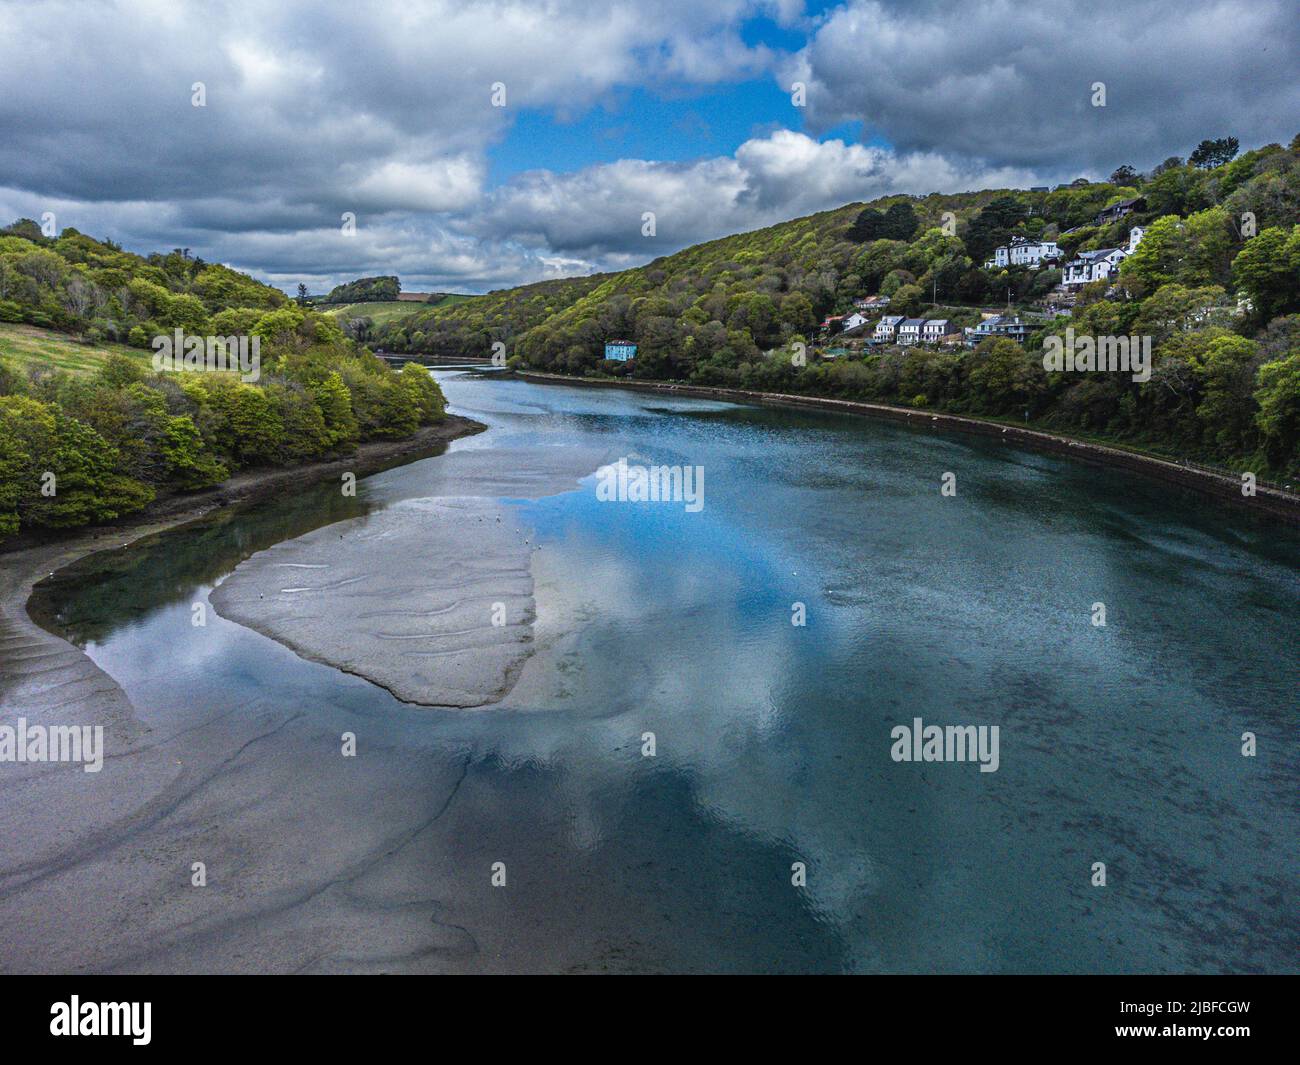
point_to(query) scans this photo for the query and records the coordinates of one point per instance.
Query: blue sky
(669, 123)
(642, 123)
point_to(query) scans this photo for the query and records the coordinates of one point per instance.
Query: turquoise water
(1119, 744)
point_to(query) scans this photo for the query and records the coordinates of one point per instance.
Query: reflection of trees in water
(90, 598)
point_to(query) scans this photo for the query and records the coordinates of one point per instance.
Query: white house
(1096, 265)
(909, 331)
(1089, 266)
(935, 329)
(1021, 251)
(852, 321)
(887, 327)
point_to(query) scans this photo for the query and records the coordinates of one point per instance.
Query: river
(1119, 744)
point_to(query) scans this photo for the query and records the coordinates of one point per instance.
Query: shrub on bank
(78, 449)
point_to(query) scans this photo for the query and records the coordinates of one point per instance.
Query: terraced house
(935, 329)
(887, 328)
(909, 331)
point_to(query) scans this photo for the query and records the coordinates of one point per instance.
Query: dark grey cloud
(1012, 82)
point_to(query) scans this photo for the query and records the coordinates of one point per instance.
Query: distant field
(25, 345)
(383, 313)
(450, 298)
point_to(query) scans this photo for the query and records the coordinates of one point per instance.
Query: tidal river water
(1119, 744)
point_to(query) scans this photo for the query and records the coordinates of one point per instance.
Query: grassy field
(22, 346)
(383, 313)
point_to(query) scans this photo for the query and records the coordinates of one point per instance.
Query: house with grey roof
(887, 328)
(909, 331)
(997, 325)
(935, 329)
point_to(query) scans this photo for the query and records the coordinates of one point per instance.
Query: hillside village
(870, 325)
(945, 302)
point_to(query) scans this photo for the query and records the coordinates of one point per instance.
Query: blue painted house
(620, 350)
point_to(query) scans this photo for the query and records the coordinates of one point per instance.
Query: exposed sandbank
(431, 599)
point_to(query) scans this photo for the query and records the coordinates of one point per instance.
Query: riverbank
(59, 822)
(248, 486)
(37, 665)
(1275, 502)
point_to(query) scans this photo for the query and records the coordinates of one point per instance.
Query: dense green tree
(867, 226)
(188, 462)
(1005, 379)
(335, 403)
(424, 392)
(993, 225)
(907, 299)
(366, 290)
(56, 472)
(1192, 251)
(1278, 418)
(1214, 153)
(1175, 308)
(1267, 269)
(1227, 374)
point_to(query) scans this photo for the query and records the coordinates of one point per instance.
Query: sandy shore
(1273, 501)
(124, 836)
(314, 862)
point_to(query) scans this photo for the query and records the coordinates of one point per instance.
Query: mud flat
(431, 599)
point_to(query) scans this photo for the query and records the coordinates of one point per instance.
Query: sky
(388, 113)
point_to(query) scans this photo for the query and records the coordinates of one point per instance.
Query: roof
(913, 321)
(891, 319)
(1122, 206)
(937, 321)
(1100, 253)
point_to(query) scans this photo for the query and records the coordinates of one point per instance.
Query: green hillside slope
(1213, 288)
